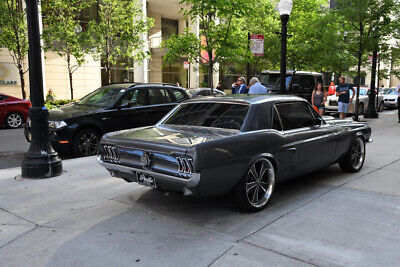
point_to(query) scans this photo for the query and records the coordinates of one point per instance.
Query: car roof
(130, 85)
(246, 99)
(291, 72)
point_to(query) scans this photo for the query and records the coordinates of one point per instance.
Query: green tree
(219, 22)
(13, 35)
(118, 32)
(63, 33)
(367, 21)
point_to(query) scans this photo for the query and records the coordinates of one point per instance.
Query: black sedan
(78, 127)
(241, 145)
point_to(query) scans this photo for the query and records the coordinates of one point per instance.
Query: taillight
(185, 165)
(111, 153)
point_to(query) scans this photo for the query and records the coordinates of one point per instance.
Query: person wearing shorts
(343, 92)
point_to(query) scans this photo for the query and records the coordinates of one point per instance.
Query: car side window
(276, 120)
(134, 98)
(2, 98)
(178, 95)
(159, 96)
(295, 115)
(307, 81)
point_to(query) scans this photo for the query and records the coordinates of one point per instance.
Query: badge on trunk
(145, 159)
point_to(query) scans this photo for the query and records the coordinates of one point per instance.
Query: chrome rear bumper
(163, 181)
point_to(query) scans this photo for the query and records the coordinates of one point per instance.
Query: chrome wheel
(357, 153)
(260, 183)
(14, 120)
(87, 144)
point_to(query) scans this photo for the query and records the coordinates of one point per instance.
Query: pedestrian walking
(343, 92)
(398, 101)
(332, 89)
(219, 86)
(256, 87)
(318, 98)
(239, 87)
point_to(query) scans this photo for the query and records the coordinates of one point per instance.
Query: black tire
(360, 109)
(381, 107)
(86, 143)
(14, 120)
(354, 159)
(250, 186)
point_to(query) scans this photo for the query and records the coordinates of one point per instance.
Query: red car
(13, 111)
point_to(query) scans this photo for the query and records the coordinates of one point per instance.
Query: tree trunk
(358, 87)
(210, 71)
(108, 74)
(22, 78)
(70, 76)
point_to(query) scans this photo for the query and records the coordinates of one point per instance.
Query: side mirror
(319, 121)
(126, 105)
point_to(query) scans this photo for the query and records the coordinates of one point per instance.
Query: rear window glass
(217, 115)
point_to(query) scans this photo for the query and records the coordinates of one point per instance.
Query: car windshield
(104, 96)
(363, 91)
(217, 115)
(390, 92)
(273, 80)
(191, 92)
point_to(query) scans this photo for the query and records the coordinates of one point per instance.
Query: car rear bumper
(163, 181)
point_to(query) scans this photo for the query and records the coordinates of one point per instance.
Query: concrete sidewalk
(87, 218)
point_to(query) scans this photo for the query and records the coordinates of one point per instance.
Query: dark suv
(299, 83)
(77, 127)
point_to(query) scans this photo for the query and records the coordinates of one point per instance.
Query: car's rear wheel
(255, 189)
(360, 109)
(86, 143)
(14, 120)
(354, 159)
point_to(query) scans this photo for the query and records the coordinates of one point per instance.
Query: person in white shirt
(256, 87)
(398, 102)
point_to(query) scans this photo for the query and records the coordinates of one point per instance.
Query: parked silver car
(331, 104)
(203, 92)
(390, 98)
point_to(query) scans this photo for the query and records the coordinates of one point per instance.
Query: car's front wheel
(14, 120)
(381, 107)
(354, 159)
(86, 143)
(255, 189)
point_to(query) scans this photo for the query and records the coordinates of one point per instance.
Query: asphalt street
(87, 218)
(13, 147)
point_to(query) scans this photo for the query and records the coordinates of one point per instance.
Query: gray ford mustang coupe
(241, 145)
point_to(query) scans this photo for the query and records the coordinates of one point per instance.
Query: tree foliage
(369, 23)
(14, 35)
(63, 33)
(220, 36)
(118, 32)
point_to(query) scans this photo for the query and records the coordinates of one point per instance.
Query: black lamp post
(41, 161)
(285, 8)
(371, 111)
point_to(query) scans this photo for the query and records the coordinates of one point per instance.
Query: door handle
(291, 149)
(105, 118)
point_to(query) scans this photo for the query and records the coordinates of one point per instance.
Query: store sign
(186, 65)
(257, 44)
(9, 74)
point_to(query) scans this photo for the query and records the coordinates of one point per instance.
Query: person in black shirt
(343, 92)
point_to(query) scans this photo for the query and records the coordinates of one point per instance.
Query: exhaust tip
(187, 192)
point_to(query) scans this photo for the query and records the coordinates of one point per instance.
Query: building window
(168, 28)
(175, 73)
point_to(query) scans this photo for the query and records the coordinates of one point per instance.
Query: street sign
(257, 44)
(186, 65)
